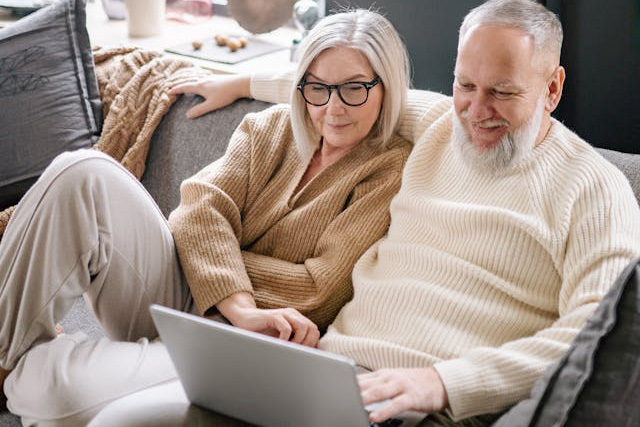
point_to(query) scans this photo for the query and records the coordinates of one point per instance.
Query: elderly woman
(266, 236)
(303, 190)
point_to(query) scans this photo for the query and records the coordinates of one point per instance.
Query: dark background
(601, 55)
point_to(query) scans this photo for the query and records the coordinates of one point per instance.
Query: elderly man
(507, 231)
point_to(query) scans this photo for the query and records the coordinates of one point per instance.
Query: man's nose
(481, 106)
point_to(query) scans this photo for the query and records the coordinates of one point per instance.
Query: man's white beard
(507, 153)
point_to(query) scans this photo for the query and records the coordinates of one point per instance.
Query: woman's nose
(335, 104)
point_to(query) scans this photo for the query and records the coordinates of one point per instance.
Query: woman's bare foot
(3, 399)
(59, 329)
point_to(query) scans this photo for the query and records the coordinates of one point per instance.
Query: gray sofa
(181, 147)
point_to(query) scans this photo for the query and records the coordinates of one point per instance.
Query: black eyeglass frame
(367, 85)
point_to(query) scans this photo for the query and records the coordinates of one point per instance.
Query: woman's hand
(217, 90)
(285, 323)
(419, 389)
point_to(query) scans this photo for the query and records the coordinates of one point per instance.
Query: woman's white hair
(528, 15)
(374, 36)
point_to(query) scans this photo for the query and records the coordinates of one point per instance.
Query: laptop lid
(259, 379)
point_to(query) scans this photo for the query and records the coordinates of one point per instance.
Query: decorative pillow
(597, 383)
(48, 94)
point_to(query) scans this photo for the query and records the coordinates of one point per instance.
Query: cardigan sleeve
(207, 225)
(602, 239)
(321, 285)
(423, 107)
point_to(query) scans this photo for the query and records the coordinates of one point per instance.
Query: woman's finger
(183, 88)
(281, 325)
(312, 338)
(199, 110)
(298, 323)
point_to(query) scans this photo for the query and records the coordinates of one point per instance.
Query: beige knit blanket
(133, 86)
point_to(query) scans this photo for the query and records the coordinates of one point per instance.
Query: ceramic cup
(145, 18)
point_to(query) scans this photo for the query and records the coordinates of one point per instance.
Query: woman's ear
(554, 89)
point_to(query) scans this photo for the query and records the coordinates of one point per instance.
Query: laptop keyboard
(391, 422)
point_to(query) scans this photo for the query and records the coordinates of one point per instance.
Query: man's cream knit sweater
(488, 279)
(241, 226)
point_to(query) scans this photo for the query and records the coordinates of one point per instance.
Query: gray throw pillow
(48, 94)
(597, 383)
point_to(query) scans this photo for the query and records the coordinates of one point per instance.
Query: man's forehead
(498, 55)
(497, 33)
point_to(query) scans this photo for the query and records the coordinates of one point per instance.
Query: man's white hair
(374, 36)
(530, 16)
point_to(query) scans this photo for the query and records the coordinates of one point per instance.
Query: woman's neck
(328, 154)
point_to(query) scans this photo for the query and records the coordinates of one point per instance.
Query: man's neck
(544, 129)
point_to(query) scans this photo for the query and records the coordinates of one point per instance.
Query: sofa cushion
(629, 164)
(48, 92)
(598, 381)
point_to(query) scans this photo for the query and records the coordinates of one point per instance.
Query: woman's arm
(423, 107)
(207, 227)
(321, 285)
(207, 224)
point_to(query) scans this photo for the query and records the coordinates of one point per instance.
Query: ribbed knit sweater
(486, 278)
(241, 226)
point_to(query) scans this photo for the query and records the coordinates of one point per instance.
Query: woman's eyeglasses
(351, 93)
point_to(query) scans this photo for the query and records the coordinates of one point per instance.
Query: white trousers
(87, 227)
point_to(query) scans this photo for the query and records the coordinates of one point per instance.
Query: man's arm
(603, 238)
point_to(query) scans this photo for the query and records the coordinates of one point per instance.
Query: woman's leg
(86, 227)
(66, 381)
(164, 405)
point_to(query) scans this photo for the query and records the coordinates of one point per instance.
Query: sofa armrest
(628, 163)
(180, 147)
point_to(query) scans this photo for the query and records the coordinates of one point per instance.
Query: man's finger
(369, 379)
(379, 391)
(396, 406)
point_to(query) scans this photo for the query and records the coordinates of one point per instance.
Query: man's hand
(285, 323)
(407, 389)
(217, 90)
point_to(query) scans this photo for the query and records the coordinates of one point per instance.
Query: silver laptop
(263, 380)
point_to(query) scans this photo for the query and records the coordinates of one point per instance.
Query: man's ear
(554, 89)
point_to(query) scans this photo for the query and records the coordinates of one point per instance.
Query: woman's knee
(80, 174)
(76, 166)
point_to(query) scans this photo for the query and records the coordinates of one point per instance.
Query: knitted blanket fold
(134, 86)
